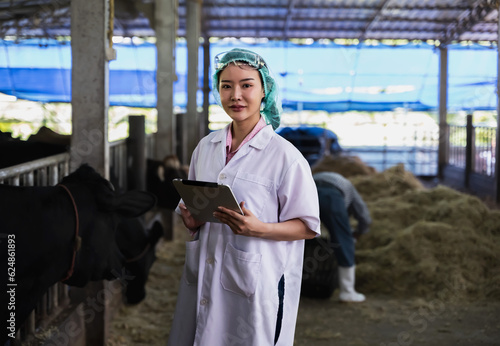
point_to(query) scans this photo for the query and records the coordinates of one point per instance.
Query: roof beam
(346, 6)
(209, 8)
(393, 6)
(288, 18)
(476, 13)
(338, 20)
(374, 18)
(277, 33)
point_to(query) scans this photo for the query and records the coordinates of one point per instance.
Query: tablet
(203, 198)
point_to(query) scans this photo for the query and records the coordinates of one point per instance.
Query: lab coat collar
(220, 136)
(260, 140)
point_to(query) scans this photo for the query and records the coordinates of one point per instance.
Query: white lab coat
(229, 288)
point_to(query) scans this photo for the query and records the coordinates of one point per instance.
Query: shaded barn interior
(442, 212)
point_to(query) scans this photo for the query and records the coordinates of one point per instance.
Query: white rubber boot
(346, 285)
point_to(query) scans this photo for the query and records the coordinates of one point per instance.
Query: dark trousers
(334, 216)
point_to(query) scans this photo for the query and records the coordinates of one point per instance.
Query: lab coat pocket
(191, 265)
(256, 189)
(240, 271)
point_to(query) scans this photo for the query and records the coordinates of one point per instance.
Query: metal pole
(497, 150)
(468, 150)
(443, 102)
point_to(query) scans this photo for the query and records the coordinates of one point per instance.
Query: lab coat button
(222, 176)
(203, 301)
(210, 260)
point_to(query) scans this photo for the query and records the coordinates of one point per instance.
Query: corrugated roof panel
(333, 13)
(446, 20)
(243, 3)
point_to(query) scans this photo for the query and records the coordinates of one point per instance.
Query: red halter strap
(139, 256)
(77, 242)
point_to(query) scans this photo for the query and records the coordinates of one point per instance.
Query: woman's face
(241, 93)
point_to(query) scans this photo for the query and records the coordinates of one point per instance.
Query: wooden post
(95, 306)
(181, 144)
(166, 30)
(136, 153)
(166, 19)
(193, 24)
(91, 52)
(206, 88)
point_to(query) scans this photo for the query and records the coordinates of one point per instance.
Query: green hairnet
(271, 103)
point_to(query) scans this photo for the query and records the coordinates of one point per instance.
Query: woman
(242, 277)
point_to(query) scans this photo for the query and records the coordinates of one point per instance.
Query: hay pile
(392, 182)
(346, 165)
(426, 242)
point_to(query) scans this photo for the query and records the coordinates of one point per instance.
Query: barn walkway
(148, 323)
(382, 319)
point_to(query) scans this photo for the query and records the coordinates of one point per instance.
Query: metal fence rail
(421, 161)
(482, 148)
(118, 164)
(457, 145)
(418, 153)
(485, 150)
(150, 145)
(43, 172)
(49, 171)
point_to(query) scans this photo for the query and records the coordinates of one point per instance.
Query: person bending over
(338, 199)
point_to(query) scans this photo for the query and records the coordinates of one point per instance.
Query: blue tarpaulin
(329, 77)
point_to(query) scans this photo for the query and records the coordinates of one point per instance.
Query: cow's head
(100, 210)
(159, 180)
(138, 247)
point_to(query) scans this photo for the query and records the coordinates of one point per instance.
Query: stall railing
(43, 172)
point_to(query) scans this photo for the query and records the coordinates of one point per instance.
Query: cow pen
(43, 172)
(62, 303)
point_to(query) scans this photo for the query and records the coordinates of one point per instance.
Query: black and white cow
(59, 233)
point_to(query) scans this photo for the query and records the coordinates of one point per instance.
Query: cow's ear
(133, 203)
(155, 233)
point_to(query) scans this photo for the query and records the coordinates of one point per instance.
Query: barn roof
(443, 20)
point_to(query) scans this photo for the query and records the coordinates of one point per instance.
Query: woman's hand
(249, 225)
(246, 224)
(188, 219)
